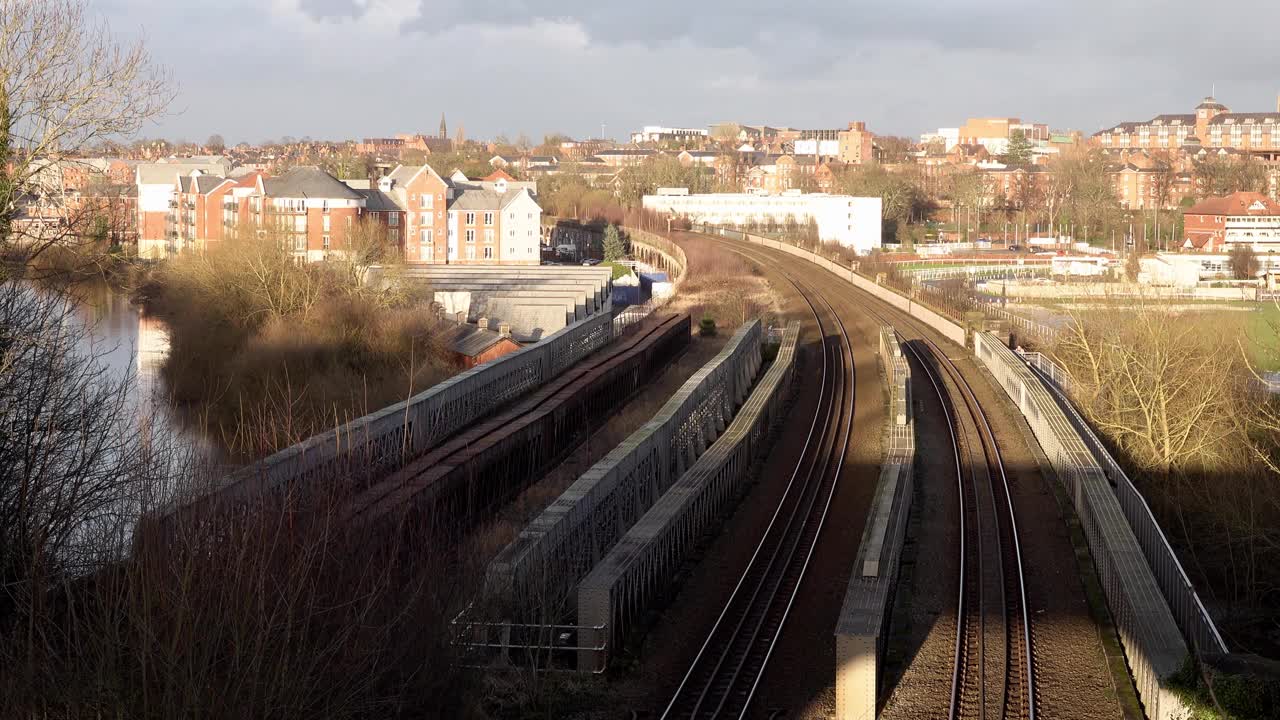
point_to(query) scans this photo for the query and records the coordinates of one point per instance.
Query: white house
(854, 222)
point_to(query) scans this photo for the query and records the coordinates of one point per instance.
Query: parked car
(591, 261)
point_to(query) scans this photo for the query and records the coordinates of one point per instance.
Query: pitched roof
(378, 201)
(1257, 118)
(308, 181)
(162, 173)
(1236, 204)
(470, 340)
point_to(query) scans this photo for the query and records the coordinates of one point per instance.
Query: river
(124, 341)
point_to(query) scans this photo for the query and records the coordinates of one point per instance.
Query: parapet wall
(862, 627)
(534, 575)
(1152, 644)
(950, 330)
(640, 568)
(383, 441)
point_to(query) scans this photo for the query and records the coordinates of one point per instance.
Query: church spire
(444, 129)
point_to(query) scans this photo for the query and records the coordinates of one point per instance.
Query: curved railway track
(993, 672)
(723, 678)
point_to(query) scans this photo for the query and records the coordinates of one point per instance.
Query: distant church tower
(444, 129)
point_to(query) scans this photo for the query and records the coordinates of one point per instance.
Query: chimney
(483, 323)
(504, 330)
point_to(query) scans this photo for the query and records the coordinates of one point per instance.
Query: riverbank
(264, 352)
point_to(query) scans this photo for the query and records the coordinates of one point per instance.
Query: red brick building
(1240, 218)
(311, 206)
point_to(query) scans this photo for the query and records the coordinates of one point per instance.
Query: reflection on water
(127, 342)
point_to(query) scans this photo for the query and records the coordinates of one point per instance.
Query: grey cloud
(331, 9)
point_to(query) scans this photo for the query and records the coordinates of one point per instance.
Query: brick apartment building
(1244, 218)
(1211, 125)
(856, 144)
(195, 217)
(312, 208)
(458, 220)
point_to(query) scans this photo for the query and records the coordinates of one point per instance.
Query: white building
(850, 221)
(815, 146)
(1185, 270)
(949, 137)
(658, 133)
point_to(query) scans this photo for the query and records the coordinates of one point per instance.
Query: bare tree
(65, 84)
(1244, 262)
(215, 143)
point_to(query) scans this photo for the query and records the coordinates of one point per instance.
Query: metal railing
(1197, 626)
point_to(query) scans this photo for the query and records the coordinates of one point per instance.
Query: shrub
(707, 326)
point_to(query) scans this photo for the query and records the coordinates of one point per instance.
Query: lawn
(1262, 340)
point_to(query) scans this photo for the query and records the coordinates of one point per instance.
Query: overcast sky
(259, 69)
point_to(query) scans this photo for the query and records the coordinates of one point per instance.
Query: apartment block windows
(428, 236)
(326, 223)
(471, 253)
(488, 218)
(326, 240)
(488, 235)
(471, 218)
(393, 219)
(471, 236)
(424, 219)
(426, 202)
(488, 253)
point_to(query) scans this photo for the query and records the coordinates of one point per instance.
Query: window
(471, 253)
(394, 235)
(393, 219)
(423, 218)
(326, 240)
(326, 223)
(411, 233)
(426, 201)
(488, 235)
(471, 218)
(488, 253)
(488, 218)
(428, 236)
(427, 252)
(471, 236)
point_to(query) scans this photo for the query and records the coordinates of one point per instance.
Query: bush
(707, 327)
(269, 352)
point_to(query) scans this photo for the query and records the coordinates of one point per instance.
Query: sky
(253, 70)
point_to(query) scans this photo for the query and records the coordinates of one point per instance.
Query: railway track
(723, 678)
(993, 672)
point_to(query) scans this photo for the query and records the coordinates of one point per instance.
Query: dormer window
(384, 184)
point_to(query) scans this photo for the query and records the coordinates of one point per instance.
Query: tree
(1244, 262)
(1018, 153)
(613, 248)
(215, 144)
(65, 85)
(725, 133)
(893, 149)
(1222, 175)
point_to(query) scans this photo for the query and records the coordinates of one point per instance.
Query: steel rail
(830, 420)
(991, 451)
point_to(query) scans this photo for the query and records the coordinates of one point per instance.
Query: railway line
(453, 485)
(993, 668)
(724, 676)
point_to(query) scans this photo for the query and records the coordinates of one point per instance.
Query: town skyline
(344, 69)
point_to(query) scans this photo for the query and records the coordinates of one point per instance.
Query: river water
(125, 340)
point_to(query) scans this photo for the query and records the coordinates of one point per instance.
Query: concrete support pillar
(855, 677)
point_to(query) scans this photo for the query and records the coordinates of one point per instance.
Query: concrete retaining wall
(534, 575)
(862, 627)
(641, 566)
(1152, 644)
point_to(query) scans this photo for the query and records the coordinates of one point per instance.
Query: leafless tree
(65, 84)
